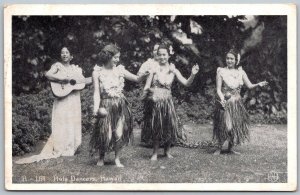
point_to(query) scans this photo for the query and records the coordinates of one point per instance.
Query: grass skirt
(146, 127)
(231, 122)
(104, 132)
(160, 120)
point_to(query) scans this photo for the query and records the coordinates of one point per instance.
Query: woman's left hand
(195, 69)
(146, 74)
(143, 76)
(264, 83)
(144, 94)
(223, 103)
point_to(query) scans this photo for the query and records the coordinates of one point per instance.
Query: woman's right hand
(223, 103)
(62, 79)
(222, 100)
(94, 111)
(65, 81)
(94, 117)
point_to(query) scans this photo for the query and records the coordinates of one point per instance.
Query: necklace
(164, 68)
(163, 76)
(233, 73)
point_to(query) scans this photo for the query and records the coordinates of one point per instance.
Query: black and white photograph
(150, 97)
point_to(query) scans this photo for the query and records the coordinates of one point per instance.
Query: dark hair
(107, 53)
(71, 51)
(68, 48)
(235, 53)
(163, 46)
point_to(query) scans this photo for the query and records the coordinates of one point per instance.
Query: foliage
(30, 120)
(37, 41)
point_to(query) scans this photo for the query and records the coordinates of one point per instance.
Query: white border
(158, 9)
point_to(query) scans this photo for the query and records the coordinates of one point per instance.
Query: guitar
(60, 89)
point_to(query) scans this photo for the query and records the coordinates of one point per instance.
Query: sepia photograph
(150, 97)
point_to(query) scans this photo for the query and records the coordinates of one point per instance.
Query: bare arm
(149, 81)
(219, 81)
(53, 76)
(147, 91)
(129, 76)
(189, 81)
(96, 93)
(249, 84)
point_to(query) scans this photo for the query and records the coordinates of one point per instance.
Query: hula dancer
(149, 66)
(163, 124)
(112, 114)
(231, 120)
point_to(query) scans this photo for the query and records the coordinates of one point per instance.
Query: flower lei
(112, 84)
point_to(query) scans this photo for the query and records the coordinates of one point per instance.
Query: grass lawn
(264, 154)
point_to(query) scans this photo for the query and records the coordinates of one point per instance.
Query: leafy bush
(31, 115)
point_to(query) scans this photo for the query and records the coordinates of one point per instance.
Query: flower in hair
(171, 51)
(238, 59)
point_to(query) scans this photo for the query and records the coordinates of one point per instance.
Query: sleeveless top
(163, 80)
(112, 83)
(232, 81)
(162, 83)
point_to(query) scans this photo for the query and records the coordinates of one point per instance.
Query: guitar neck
(87, 80)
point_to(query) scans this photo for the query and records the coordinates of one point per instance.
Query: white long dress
(66, 123)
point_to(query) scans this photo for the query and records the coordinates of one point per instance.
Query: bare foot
(154, 157)
(100, 163)
(168, 155)
(217, 152)
(234, 152)
(118, 163)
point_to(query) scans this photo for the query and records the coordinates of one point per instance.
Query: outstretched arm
(189, 81)
(249, 84)
(96, 93)
(129, 76)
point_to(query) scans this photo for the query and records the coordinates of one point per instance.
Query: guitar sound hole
(72, 82)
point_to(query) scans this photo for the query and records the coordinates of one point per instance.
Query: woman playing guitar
(66, 112)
